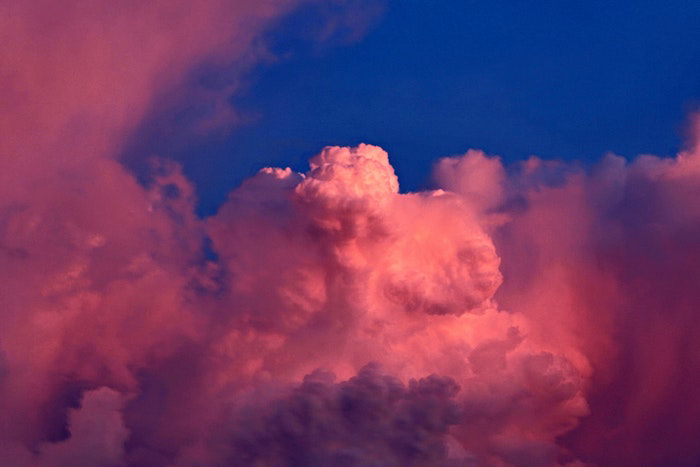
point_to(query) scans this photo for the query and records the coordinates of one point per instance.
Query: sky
(349, 232)
(561, 80)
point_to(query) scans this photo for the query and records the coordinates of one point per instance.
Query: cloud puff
(371, 419)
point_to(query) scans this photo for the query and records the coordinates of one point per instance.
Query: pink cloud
(535, 316)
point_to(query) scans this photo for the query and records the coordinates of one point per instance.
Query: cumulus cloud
(602, 262)
(530, 315)
(333, 269)
(211, 359)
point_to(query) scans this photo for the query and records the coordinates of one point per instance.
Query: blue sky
(428, 79)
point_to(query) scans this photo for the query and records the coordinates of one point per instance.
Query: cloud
(371, 419)
(332, 269)
(602, 262)
(97, 433)
(530, 315)
(335, 269)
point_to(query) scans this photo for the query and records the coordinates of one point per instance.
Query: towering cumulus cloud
(529, 315)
